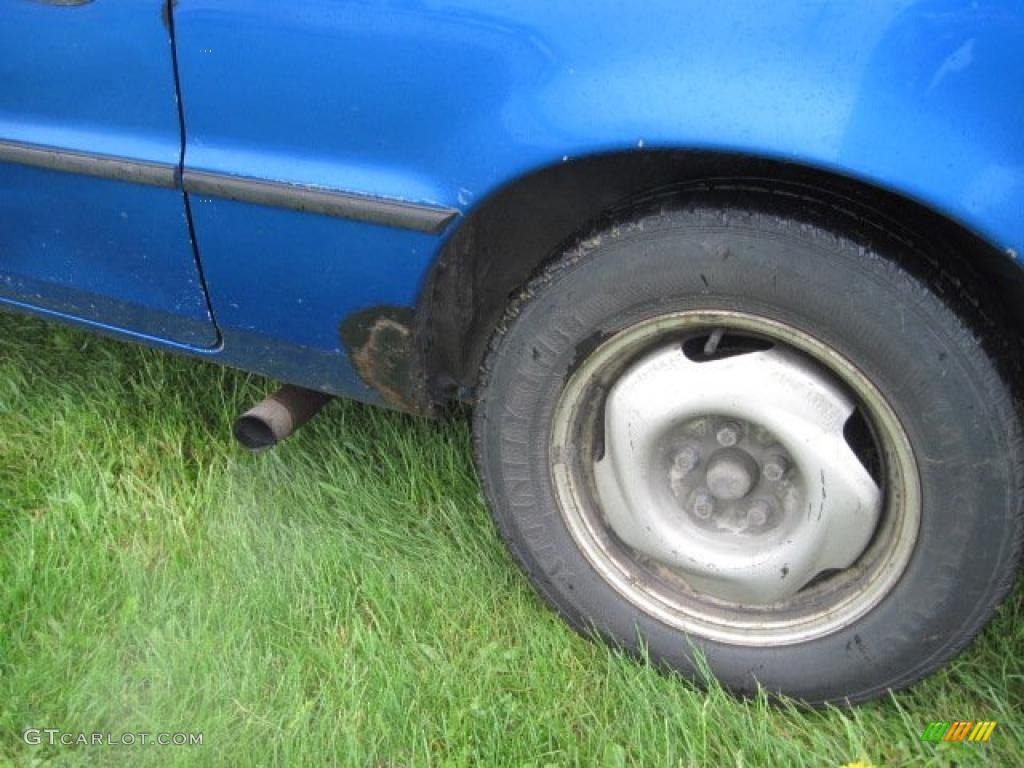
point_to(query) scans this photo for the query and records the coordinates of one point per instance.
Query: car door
(93, 225)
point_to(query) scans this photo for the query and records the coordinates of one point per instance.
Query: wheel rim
(735, 477)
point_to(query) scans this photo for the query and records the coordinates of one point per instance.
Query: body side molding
(88, 164)
(325, 202)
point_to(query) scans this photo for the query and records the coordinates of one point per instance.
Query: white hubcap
(735, 472)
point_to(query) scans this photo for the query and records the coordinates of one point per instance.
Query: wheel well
(502, 243)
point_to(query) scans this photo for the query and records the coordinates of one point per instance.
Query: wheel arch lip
(982, 205)
(908, 102)
(481, 261)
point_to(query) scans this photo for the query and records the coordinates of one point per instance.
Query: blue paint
(95, 78)
(445, 102)
(101, 250)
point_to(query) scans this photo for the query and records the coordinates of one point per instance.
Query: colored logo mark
(959, 730)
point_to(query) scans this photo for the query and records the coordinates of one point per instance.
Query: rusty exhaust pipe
(270, 421)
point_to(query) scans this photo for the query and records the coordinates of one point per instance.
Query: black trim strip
(326, 202)
(104, 166)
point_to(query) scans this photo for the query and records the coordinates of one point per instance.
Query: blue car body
(277, 185)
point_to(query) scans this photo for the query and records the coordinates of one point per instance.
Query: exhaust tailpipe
(272, 420)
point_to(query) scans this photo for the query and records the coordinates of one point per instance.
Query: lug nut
(759, 513)
(775, 467)
(728, 434)
(686, 460)
(703, 506)
(700, 427)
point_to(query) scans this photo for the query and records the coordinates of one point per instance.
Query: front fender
(444, 102)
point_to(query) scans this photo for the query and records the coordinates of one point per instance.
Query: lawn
(343, 598)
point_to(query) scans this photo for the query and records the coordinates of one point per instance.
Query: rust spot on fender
(382, 347)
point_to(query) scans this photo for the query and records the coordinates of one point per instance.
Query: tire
(925, 372)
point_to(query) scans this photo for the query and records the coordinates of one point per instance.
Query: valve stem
(711, 346)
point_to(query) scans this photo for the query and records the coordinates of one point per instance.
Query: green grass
(343, 599)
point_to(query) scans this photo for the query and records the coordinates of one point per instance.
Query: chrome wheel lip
(860, 587)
